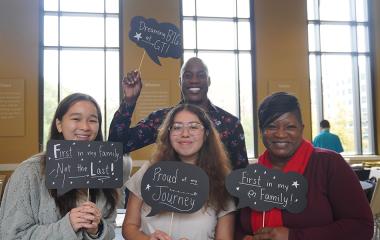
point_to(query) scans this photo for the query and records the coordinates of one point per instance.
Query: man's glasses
(193, 128)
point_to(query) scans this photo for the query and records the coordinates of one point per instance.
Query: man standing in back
(194, 84)
(327, 140)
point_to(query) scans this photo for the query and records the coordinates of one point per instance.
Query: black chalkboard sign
(262, 188)
(174, 187)
(83, 164)
(158, 39)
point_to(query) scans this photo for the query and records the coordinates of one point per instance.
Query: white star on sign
(295, 184)
(137, 36)
(147, 187)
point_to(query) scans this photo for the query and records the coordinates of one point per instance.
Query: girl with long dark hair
(31, 211)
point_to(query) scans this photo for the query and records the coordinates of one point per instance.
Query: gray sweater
(27, 210)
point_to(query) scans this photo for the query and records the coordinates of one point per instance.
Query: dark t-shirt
(145, 132)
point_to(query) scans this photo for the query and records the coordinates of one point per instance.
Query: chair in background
(369, 192)
(375, 207)
(2, 185)
(361, 173)
(123, 191)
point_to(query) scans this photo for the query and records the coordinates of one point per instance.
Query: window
(221, 36)
(80, 54)
(340, 76)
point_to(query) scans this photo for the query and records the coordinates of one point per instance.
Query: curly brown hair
(213, 158)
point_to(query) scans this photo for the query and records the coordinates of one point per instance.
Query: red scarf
(297, 163)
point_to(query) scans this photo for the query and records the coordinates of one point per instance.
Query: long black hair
(68, 201)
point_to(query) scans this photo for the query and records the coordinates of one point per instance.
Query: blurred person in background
(326, 139)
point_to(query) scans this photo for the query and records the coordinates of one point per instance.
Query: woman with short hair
(337, 207)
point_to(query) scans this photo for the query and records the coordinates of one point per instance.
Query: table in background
(375, 172)
(366, 185)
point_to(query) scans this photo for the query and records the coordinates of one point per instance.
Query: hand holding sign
(83, 164)
(174, 187)
(262, 188)
(158, 39)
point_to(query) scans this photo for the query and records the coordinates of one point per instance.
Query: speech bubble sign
(262, 188)
(158, 39)
(174, 187)
(83, 164)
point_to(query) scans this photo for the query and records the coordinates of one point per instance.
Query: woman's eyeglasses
(193, 128)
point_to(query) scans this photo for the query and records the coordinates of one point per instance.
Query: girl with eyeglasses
(186, 135)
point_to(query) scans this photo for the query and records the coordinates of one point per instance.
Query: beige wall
(19, 30)
(162, 11)
(281, 48)
(281, 52)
